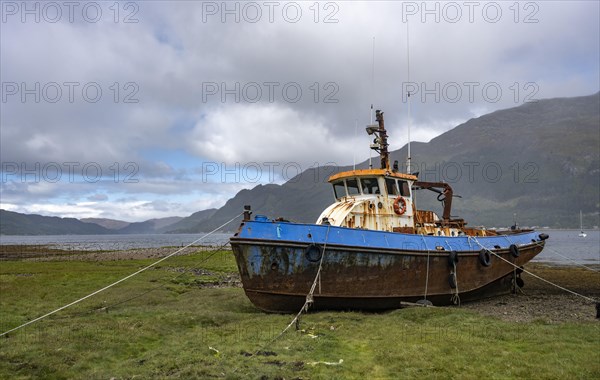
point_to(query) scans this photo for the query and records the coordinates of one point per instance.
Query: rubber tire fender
(520, 282)
(485, 258)
(313, 253)
(452, 258)
(514, 250)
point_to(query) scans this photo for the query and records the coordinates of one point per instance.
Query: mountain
(13, 223)
(111, 224)
(538, 163)
(151, 226)
(189, 224)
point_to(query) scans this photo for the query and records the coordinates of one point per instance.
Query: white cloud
(265, 133)
(165, 60)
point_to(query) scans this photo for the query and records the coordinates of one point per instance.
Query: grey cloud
(171, 55)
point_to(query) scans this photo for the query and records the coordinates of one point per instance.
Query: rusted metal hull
(277, 272)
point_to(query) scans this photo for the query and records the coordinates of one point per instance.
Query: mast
(383, 150)
(372, 91)
(380, 144)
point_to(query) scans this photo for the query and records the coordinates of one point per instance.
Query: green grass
(183, 329)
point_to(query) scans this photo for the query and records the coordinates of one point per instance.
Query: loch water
(564, 247)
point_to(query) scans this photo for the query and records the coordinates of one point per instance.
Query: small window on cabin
(404, 190)
(353, 188)
(339, 189)
(370, 186)
(392, 186)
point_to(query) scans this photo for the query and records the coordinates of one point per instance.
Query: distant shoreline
(595, 228)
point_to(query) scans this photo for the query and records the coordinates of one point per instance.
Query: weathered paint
(369, 211)
(371, 173)
(374, 256)
(365, 269)
(265, 229)
(376, 211)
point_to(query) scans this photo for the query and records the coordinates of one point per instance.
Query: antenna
(354, 150)
(408, 168)
(372, 96)
(372, 80)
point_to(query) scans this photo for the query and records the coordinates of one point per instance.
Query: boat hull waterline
(372, 270)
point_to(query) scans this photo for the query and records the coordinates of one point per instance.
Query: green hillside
(539, 161)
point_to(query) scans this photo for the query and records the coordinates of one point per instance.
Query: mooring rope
(558, 254)
(570, 259)
(121, 280)
(309, 297)
(455, 297)
(534, 275)
(212, 253)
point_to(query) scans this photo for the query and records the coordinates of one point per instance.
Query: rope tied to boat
(534, 275)
(309, 297)
(121, 280)
(455, 297)
(564, 257)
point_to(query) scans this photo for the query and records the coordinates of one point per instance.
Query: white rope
(570, 259)
(516, 287)
(536, 276)
(119, 281)
(456, 297)
(558, 254)
(309, 297)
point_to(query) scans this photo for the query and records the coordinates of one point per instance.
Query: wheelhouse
(382, 199)
(369, 182)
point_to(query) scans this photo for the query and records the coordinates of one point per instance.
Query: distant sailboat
(581, 234)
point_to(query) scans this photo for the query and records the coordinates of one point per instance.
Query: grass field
(182, 320)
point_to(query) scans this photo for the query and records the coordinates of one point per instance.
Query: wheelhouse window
(339, 189)
(404, 188)
(353, 188)
(370, 186)
(392, 186)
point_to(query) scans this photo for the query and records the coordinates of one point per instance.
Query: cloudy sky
(137, 110)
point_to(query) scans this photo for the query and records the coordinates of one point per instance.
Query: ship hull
(371, 270)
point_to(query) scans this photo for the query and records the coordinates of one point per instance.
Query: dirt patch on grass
(542, 301)
(210, 279)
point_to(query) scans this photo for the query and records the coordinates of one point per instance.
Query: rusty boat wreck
(372, 249)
